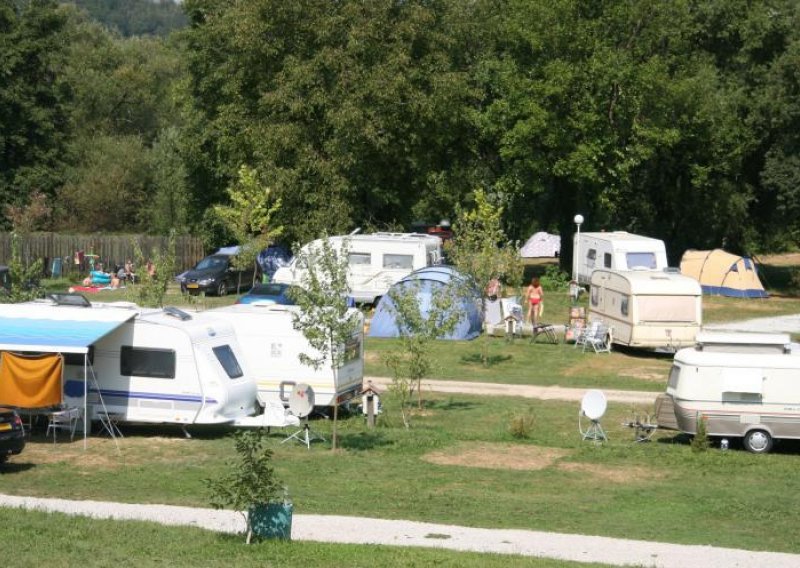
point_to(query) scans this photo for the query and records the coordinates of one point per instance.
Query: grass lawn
(459, 464)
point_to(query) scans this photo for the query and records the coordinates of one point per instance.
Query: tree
(479, 249)
(418, 326)
(250, 217)
(325, 318)
(153, 274)
(24, 278)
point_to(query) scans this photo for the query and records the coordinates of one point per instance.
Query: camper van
(618, 250)
(152, 366)
(741, 384)
(376, 261)
(658, 310)
(271, 349)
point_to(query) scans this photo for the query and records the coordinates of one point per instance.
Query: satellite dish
(594, 404)
(301, 400)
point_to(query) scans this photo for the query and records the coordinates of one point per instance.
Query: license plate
(193, 285)
(5, 426)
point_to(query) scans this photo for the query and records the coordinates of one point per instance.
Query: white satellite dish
(301, 400)
(593, 406)
(301, 404)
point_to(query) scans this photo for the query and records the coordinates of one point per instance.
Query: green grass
(654, 491)
(57, 541)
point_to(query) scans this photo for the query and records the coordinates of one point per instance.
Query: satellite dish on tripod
(593, 407)
(301, 404)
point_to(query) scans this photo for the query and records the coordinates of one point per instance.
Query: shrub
(521, 425)
(700, 441)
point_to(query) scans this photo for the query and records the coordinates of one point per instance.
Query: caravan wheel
(758, 441)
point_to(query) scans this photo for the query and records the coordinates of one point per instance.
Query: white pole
(578, 219)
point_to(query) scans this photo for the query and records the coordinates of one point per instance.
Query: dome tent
(722, 273)
(430, 280)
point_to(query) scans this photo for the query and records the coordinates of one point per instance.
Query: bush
(555, 279)
(700, 441)
(521, 425)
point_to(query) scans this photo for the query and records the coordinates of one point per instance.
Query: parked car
(12, 433)
(270, 293)
(216, 275)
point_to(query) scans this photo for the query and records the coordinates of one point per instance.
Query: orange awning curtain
(31, 381)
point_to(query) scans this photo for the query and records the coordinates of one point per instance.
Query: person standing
(534, 295)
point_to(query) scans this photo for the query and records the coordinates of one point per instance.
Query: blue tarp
(272, 258)
(432, 280)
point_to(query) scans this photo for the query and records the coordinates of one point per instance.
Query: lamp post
(578, 219)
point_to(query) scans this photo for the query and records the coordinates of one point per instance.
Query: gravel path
(777, 324)
(525, 391)
(357, 530)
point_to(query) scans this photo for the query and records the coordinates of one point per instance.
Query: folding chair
(599, 340)
(66, 419)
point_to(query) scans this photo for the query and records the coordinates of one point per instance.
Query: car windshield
(269, 290)
(210, 262)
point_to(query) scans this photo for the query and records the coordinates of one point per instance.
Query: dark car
(271, 293)
(12, 434)
(215, 275)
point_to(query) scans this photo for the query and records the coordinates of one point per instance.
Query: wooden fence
(111, 250)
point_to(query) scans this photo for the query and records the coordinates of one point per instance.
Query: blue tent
(429, 281)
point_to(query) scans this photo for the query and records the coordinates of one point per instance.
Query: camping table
(547, 330)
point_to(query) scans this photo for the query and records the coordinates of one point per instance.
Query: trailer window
(668, 309)
(623, 305)
(607, 260)
(153, 363)
(359, 259)
(352, 350)
(405, 261)
(641, 260)
(595, 295)
(591, 255)
(674, 374)
(228, 361)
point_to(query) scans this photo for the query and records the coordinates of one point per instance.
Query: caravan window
(623, 305)
(228, 361)
(641, 260)
(595, 295)
(154, 363)
(359, 259)
(607, 260)
(398, 261)
(591, 255)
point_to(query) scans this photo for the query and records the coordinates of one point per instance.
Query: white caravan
(618, 250)
(376, 261)
(741, 384)
(659, 310)
(153, 366)
(271, 348)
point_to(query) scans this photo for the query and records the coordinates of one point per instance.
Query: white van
(647, 309)
(376, 261)
(741, 384)
(618, 250)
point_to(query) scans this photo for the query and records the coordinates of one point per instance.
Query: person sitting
(129, 274)
(493, 289)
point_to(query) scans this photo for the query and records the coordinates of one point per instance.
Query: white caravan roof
(647, 282)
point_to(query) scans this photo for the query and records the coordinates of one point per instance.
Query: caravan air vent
(177, 313)
(71, 299)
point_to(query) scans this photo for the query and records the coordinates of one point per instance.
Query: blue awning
(47, 328)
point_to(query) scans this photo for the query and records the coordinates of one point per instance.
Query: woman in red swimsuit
(534, 296)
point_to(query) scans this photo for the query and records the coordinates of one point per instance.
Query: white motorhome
(647, 309)
(741, 384)
(376, 261)
(152, 366)
(271, 348)
(618, 250)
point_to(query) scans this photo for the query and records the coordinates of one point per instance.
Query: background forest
(679, 120)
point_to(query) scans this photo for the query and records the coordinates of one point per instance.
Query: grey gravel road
(358, 530)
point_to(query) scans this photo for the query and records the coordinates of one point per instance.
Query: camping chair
(599, 339)
(585, 332)
(66, 419)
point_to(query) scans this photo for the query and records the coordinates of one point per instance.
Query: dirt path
(525, 391)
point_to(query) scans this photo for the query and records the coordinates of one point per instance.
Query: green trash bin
(273, 520)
